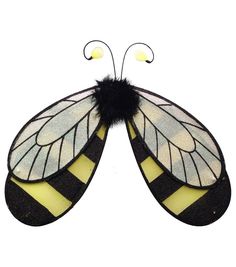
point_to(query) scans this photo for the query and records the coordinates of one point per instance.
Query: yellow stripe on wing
(151, 169)
(102, 132)
(46, 195)
(82, 168)
(131, 131)
(183, 198)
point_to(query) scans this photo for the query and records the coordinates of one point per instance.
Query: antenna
(142, 58)
(98, 53)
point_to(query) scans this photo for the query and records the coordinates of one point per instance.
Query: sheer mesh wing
(178, 141)
(54, 137)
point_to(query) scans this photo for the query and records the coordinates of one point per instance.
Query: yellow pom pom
(97, 53)
(141, 56)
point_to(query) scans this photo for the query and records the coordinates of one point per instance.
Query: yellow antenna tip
(141, 56)
(97, 53)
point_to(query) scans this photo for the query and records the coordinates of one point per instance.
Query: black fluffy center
(116, 100)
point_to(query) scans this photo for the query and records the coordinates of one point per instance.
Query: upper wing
(178, 141)
(54, 137)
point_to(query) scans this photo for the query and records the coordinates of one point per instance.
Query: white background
(118, 222)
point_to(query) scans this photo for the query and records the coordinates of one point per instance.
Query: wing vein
(60, 149)
(162, 105)
(207, 164)
(185, 174)
(170, 156)
(40, 118)
(32, 165)
(144, 127)
(88, 118)
(75, 133)
(46, 161)
(207, 149)
(184, 122)
(196, 168)
(156, 142)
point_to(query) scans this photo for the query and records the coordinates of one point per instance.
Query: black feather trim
(116, 100)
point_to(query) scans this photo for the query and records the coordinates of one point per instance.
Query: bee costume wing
(45, 201)
(195, 206)
(178, 142)
(54, 138)
(53, 159)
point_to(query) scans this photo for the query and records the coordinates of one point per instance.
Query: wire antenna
(138, 43)
(99, 41)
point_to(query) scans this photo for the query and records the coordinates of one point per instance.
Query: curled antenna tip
(140, 56)
(97, 53)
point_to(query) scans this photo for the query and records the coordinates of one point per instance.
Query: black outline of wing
(221, 158)
(62, 138)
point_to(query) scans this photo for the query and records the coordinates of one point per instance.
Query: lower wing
(195, 206)
(43, 202)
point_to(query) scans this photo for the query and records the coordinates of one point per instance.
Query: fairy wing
(51, 140)
(179, 143)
